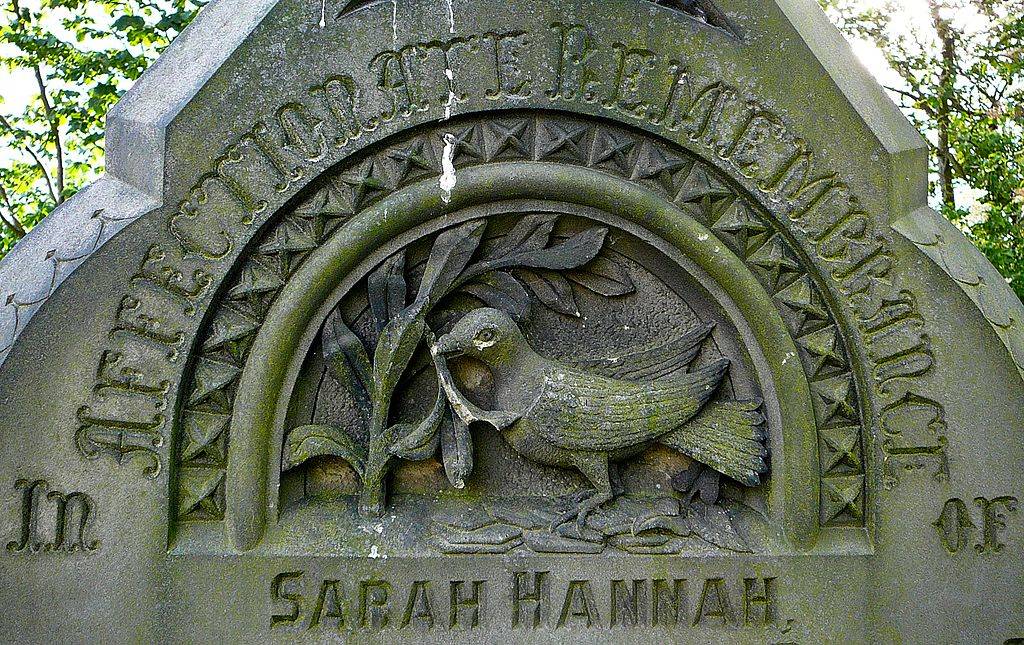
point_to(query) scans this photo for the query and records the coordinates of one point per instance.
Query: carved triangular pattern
(657, 167)
(775, 264)
(229, 325)
(841, 449)
(366, 183)
(201, 493)
(257, 277)
(700, 185)
(615, 151)
(411, 161)
(566, 141)
(824, 352)
(509, 139)
(842, 496)
(212, 454)
(834, 400)
(211, 376)
(804, 304)
(740, 224)
(293, 235)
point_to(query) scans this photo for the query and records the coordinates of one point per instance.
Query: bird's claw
(576, 511)
(561, 519)
(642, 524)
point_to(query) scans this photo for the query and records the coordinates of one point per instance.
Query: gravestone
(587, 320)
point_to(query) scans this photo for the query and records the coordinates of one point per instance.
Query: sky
(17, 88)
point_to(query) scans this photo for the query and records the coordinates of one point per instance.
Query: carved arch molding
(672, 221)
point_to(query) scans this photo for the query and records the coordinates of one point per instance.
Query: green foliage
(78, 61)
(959, 75)
(991, 154)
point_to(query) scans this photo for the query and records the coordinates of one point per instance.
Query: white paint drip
(323, 13)
(394, 23)
(448, 178)
(451, 16)
(452, 98)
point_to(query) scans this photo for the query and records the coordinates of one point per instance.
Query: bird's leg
(597, 471)
(615, 476)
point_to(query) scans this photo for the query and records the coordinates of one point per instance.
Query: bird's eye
(486, 336)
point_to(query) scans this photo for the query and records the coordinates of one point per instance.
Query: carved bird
(606, 410)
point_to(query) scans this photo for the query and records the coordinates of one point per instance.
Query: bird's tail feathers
(704, 382)
(729, 437)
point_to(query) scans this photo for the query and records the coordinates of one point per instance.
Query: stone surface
(556, 321)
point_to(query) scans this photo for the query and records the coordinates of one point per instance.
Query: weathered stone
(564, 321)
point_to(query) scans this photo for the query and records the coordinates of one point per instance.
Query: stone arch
(265, 383)
(665, 172)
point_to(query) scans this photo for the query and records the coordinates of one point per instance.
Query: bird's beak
(447, 346)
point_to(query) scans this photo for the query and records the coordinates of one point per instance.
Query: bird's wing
(660, 359)
(580, 411)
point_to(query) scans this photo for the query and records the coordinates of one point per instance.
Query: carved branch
(462, 406)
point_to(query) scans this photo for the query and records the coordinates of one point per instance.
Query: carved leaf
(531, 233)
(708, 485)
(395, 349)
(486, 536)
(419, 442)
(387, 289)
(604, 276)
(698, 481)
(307, 442)
(571, 254)
(735, 496)
(553, 290)
(501, 291)
(347, 360)
(712, 524)
(456, 450)
(450, 254)
(547, 542)
(685, 481)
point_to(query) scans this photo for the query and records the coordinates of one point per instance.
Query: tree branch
(918, 100)
(947, 80)
(35, 158)
(51, 118)
(8, 217)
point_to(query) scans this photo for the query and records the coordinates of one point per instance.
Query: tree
(959, 75)
(79, 61)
